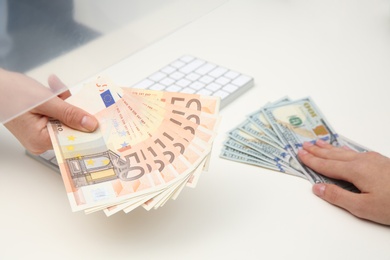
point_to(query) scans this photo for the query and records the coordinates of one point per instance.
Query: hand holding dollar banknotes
(30, 128)
(281, 136)
(369, 172)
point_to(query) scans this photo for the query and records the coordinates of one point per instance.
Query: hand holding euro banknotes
(148, 147)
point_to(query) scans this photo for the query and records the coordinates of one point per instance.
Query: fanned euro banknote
(271, 137)
(148, 147)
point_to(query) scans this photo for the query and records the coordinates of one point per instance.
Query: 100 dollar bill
(286, 124)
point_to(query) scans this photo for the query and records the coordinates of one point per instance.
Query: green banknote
(278, 130)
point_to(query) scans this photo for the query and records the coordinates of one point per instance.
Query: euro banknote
(148, 147)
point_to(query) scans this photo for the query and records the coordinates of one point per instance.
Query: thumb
(68, 114)
(337, 196)
(58, 86)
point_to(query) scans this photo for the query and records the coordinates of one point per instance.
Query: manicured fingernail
(320, 142)
(307, 144)
(319, 189)
(89, 123)
(302, 152)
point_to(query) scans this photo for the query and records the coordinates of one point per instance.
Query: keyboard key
(157, 76)
(231, 74)
(204, 92)
(213, 86)
(167, 81)
(197, 85)
(183, 83)
(222, 81)
(177, 75)
(188, 90)
(168, 70)
(187, 58)
(177, 64)
(157, 87)
(230, 88)
(222, 94)
(206, 79)
(193, 65)
(193, 76)
(146, 83)
(173, 88)
(241, 80)
(218, 72)
(203, 70)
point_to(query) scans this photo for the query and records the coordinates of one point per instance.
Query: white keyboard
(189, 75)
(192, 75)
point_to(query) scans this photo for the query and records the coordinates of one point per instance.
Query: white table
(336, 52)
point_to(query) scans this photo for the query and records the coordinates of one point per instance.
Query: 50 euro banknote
(146, 144)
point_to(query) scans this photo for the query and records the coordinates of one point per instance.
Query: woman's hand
(30, 128)
(369, 172)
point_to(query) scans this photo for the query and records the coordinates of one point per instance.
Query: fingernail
(302, 152)
(320, 142)
(307, 144)
(319, 189)
(89, 123)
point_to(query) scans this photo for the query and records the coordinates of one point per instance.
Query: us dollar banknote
(287, 124)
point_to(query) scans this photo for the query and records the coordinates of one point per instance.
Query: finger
(355, 203)
(331, 168)
(57, 85)
(68, 114)
(323, 144)
(327, 151)
(37, 140)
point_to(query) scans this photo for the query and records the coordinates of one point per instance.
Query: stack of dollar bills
(271, 137)
(148, 147)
